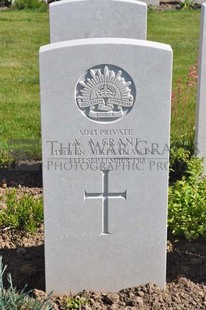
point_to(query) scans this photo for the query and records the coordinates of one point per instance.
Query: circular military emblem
(105, 93)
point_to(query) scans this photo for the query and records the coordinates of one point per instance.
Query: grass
(21, 35)
(180, 29)
(23, 32)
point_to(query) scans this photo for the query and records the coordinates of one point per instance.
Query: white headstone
(79, 19)
(200, 134)
(105, 107)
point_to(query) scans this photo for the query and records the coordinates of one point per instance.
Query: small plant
(5, 160)
(187, 202)
(29, 5)
(179, 157)
(77, 302)
(10, 299)
(189, 4)
(24, 212)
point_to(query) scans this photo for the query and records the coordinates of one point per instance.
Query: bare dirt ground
(23, 253)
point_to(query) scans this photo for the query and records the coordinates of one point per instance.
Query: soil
(23, 253)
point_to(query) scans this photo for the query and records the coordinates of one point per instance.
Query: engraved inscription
(105, 93)
(105, 195)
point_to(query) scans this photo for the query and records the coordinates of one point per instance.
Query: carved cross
(105, 195)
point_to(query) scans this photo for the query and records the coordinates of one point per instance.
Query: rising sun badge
(105, 93)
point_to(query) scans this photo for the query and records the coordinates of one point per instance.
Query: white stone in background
(151, 2)
(199, 1)
(200, 128)
(105, 108)
(77, 19)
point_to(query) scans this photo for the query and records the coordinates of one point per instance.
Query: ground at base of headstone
(164, 5)
(23, 253)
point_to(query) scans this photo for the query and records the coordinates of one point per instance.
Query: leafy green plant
(187, 202)
(24, 212)
(10, 299)
(189, 4)
(77, 302)
(178, 162)
(29, 5)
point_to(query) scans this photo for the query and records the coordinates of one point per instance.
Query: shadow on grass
(27, 174)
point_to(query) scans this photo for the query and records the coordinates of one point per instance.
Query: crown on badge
(104, 93)
(105, 83)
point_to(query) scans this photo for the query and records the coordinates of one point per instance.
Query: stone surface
(151, 2)
(200, 128)
(200, 1)
(105, 106)
(80, 19)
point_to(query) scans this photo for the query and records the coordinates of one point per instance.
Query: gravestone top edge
(70, 1)
(95, 41)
